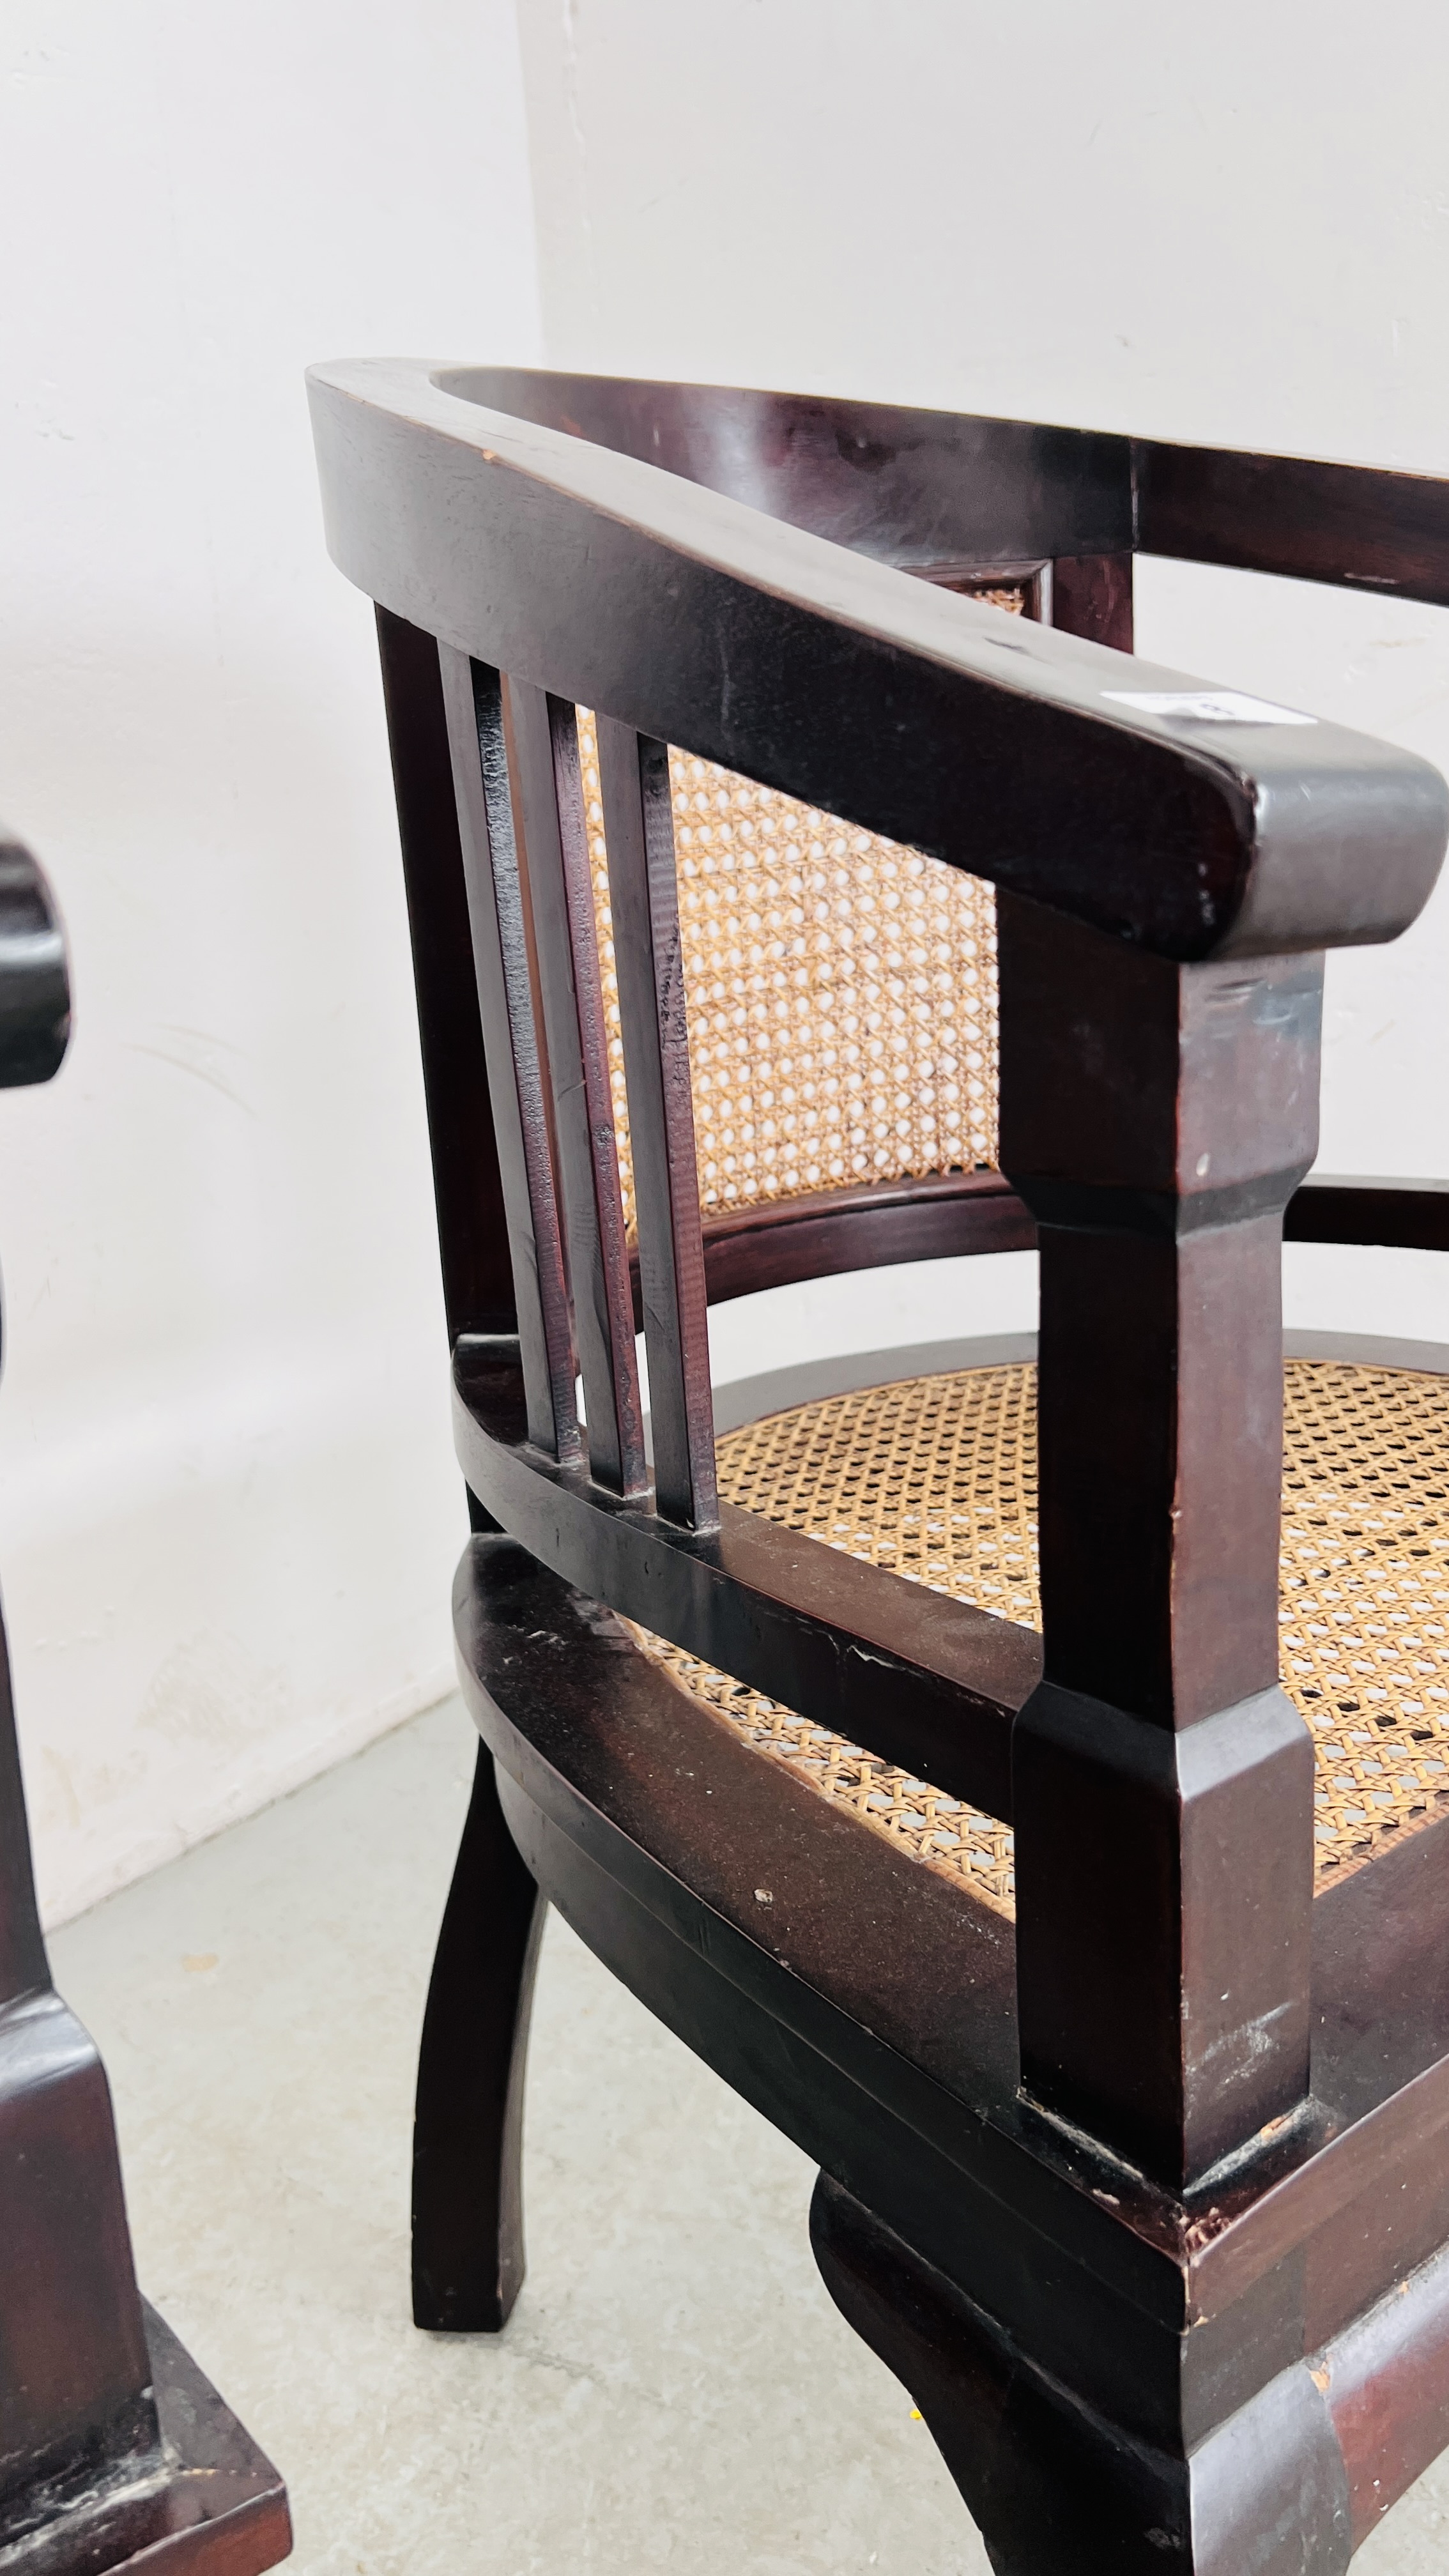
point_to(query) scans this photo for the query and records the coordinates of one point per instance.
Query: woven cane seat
(935, 1479)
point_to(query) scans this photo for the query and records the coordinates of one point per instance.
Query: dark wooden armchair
(115, 2452)
(1070, 1876)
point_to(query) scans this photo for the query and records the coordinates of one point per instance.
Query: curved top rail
(34, 984)
(912, 487)
(1193, 821)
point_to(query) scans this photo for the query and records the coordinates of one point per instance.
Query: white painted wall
(1227, 224)
(228, 1511)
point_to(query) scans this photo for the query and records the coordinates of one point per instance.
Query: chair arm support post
(1156, 1118)
(649, 959)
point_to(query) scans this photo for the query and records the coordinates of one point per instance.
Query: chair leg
(1056, 2490)
(468, 2127)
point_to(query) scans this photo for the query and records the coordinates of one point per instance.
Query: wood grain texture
(871, 1227)
(1091, 595)
(1156, 1119)
(909, 487)
(1056, 2488)
(950, 1214)
(544, 768)
(472, 700)
(75, 2402)
(467, 1184)
(34, 978)
(1386, 2382)
(649, 963)
(921, 1680)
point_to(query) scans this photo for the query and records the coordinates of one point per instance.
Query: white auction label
(1207, 706)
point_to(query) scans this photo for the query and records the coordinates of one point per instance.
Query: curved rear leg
(468, 2125)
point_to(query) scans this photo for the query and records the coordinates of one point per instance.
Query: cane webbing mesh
(935, 1478)
(840, 994)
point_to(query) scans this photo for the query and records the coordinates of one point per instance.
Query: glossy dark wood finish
(825, 1231)
(929, 491)
(649, 963)
(1315, 2459)
(75, 2406)
(941, 1218)
(1054, 2484)
(1181, 2307)
(218, 2508)
(689, 618)
(468, 2259)
(473, 704)
(1386, 2382)
(1143, 2192)
(1092, 595)
(467, 1185)
(543, 757)
(108, 2449)
(921, 1680)
(1156, 1119)
(911, 486)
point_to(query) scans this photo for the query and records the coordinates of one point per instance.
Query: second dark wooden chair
(115, 2453)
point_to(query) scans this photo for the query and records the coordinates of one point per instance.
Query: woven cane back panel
(936, 1480)
(840, 994)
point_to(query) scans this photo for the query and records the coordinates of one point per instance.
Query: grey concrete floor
(675, 2388)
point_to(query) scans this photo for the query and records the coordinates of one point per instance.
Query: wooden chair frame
(115, 2452)
(1147, 2203)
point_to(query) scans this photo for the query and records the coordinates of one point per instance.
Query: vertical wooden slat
(649, 961)
(472, 1230)
(549, 811)
(472, 698)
